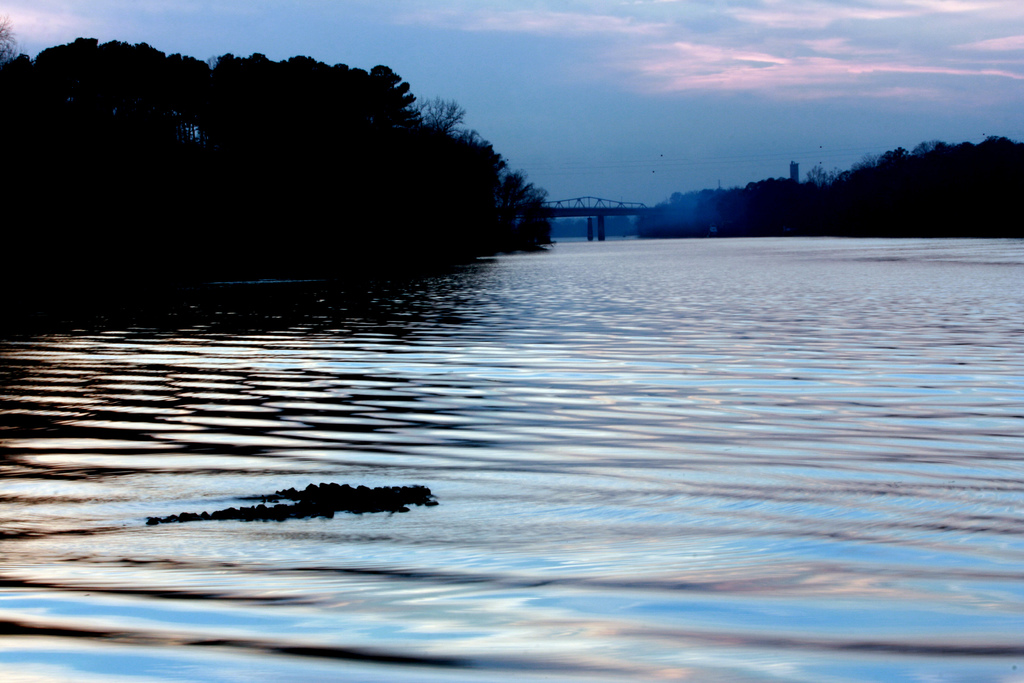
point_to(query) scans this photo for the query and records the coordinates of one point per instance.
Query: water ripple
(707, 460)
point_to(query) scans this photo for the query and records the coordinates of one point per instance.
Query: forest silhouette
(127, 167)
(130, 166)
(936, 190)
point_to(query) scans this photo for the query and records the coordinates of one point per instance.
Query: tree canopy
(936, 190)
(132, 162)
(8, 44)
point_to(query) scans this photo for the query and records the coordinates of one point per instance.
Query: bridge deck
(593, 206)
(576, 212)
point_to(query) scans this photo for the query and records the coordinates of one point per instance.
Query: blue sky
(630, 99)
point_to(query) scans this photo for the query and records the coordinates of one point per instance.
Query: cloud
(1009, 43)
(783, 48)
(688, 67)
(818, 14)
(42, 23)
(804, 49)
(788, 48)
(538, 22)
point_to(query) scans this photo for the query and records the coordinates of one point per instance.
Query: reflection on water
(733, 460)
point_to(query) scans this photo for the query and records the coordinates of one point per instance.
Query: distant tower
(794, 171)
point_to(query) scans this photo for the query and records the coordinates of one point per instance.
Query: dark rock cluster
(316, 501)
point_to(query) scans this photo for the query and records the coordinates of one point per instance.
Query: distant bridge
(592, 207)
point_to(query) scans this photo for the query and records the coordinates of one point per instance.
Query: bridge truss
(593, 207)
(579, 203)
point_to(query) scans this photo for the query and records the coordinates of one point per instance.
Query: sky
(629, 99)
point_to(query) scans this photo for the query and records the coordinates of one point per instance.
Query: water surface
(710, 460)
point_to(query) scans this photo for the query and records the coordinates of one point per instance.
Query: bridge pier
(593, 207)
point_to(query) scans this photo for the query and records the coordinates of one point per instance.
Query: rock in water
(317, 501)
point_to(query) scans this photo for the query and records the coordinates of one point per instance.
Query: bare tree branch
(441, 116)
(8, 45)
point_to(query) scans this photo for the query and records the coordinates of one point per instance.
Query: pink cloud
(45, 26)
(997, 44)
(786, 48)
(536, 22)
(818, 14)
(693, 67)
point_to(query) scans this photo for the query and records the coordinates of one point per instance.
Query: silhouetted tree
(937, 190)
(867, 161)
(441, 116)
(819, 177)
(159, 167)
(521, 214)
(8, 44)
(927, 147)
(392, 102)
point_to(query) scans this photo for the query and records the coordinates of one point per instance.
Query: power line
(813, 156)
(662, 163)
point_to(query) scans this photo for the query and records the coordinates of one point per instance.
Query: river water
(694, 460)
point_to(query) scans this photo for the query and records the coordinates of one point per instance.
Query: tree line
(123, 161)
(935, 190)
